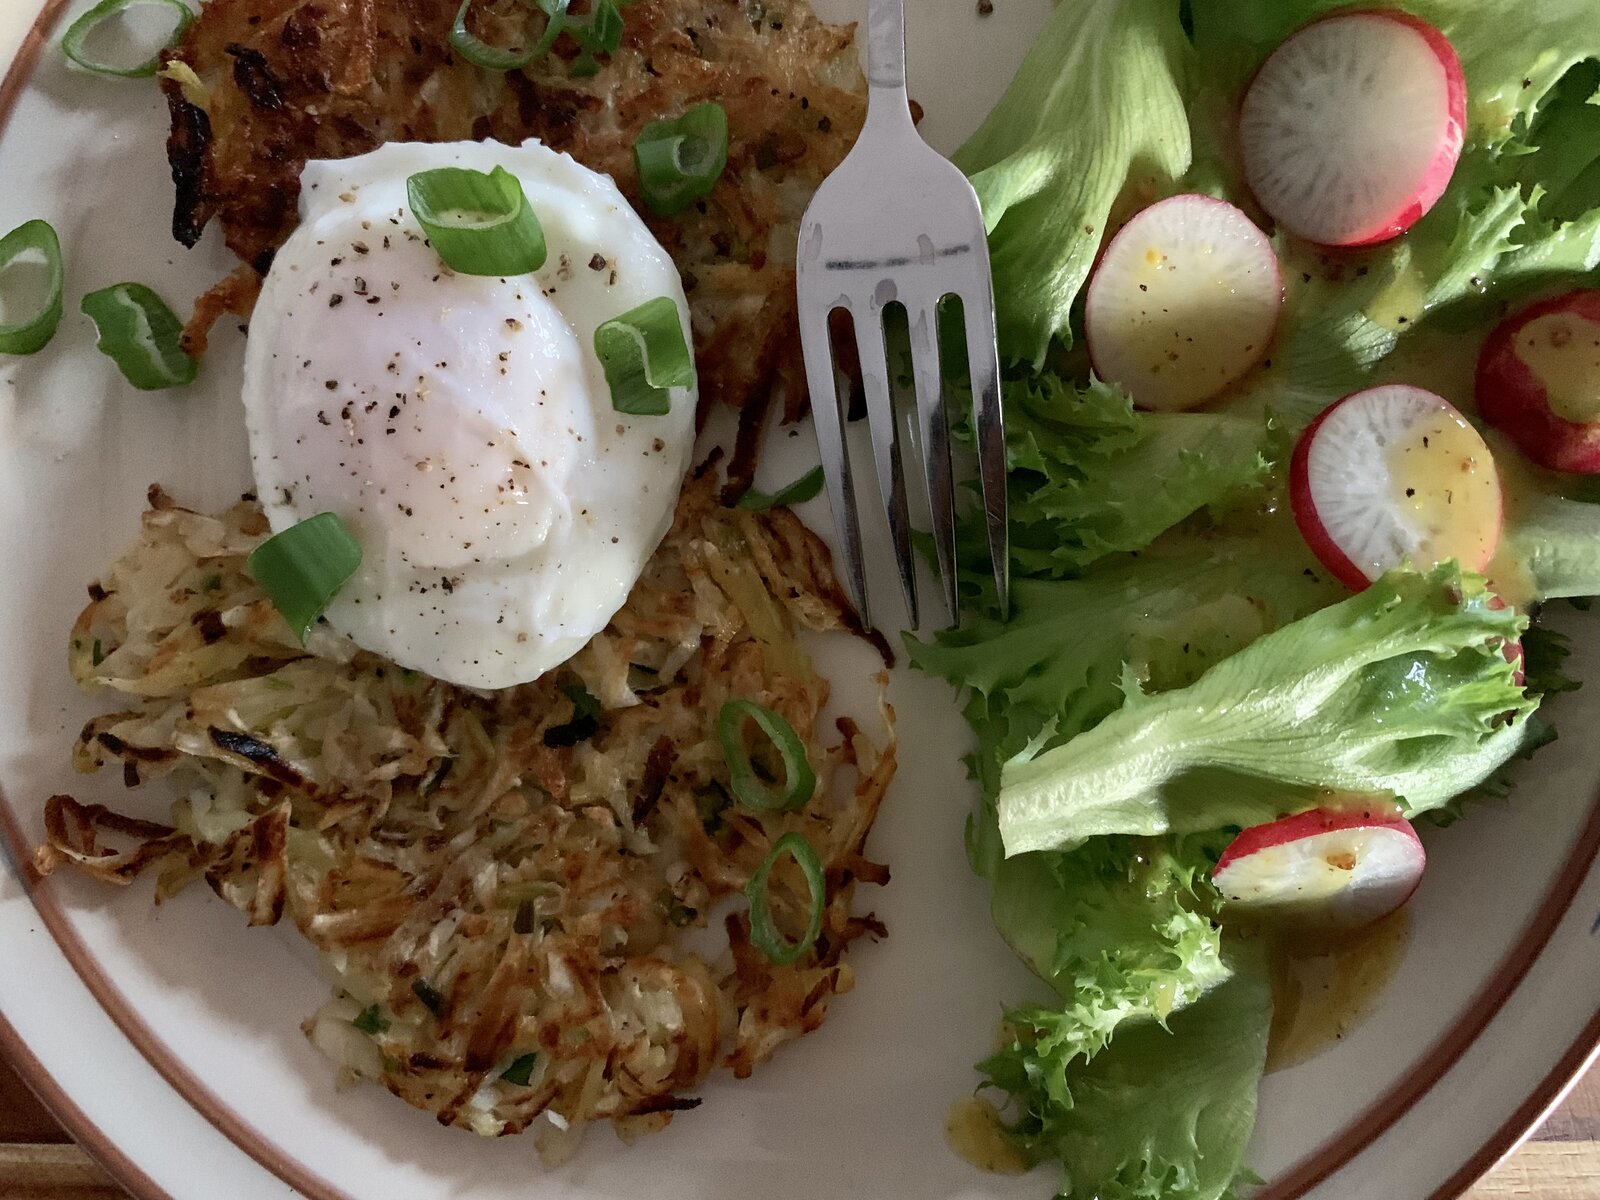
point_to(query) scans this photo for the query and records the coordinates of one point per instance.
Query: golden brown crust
(492, 874)
(265, 85)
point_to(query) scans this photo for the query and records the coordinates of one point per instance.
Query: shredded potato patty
(258, 87)
(498, 882)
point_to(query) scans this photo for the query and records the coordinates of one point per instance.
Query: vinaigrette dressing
(1323, 988)
(1444, 481)
(1563, 350)
(972, 1129)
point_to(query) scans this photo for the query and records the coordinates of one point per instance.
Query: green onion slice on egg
(644, 353)
(799, 782)
(302, 568)
(74, 44)
(765, 935)
(141, 335)
(479, 224)
(492, 58)
(680, 161)
(801, 490)
(29, 333)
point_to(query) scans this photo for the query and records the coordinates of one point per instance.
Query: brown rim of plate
(1335, 1153)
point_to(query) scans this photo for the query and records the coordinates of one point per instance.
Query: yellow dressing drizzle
(1563, 350)
(972, 1129)
(1401, 303)
(1446, 485)
(1323, 989)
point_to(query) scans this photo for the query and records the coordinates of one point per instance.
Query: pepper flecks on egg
(504, 377)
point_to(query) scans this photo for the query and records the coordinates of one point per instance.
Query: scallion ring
(602, 32)
(764, 933)
(801, 490)
(28, 334)
(480, 54)
(680, 161)
(479, 224)
(799, 780)
(303, 567)
(74, 44)
(141, 335)
(643, 353)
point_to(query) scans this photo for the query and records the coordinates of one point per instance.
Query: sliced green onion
(371, 1021)
(748, 788)
(644, 353)
(141, 335)
(602, 33)
(33, 333)
(680, 161)
(520, 1071)
(764, 933)
(303, 567)
(801, 490)
(479, 224)
(492, 58)
(74, 43)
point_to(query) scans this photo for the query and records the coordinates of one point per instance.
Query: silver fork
(896, 222)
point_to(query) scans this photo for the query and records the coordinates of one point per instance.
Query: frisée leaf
(1123, 929)
(1164, 1113)
(1401, 689)
(1090, 476)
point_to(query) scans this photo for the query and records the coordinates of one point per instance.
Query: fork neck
(887, 103)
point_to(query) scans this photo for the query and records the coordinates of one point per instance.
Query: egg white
(461, 426)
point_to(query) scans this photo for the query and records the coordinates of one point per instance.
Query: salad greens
(1097, 102)
(1093, 477)
(1164, 1114)
(1403, 689)
(1177, 665)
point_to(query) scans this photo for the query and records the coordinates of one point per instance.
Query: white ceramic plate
(168, 1040)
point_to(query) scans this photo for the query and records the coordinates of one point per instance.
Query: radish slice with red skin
(1184, 301)
(1352, 127)
(1539, 381)
(1327, 868)
(1393, 475)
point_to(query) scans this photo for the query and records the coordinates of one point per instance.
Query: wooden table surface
(39, 1162)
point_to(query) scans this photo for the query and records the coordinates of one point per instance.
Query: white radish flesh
(1352, 127)
(1394, 475)
(1183, 303)
(1324, 869)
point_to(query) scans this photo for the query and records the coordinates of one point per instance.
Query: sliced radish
(1327, 868)
(1183, 303)
(1351, 128)
(1394, 475)
(1539, 381)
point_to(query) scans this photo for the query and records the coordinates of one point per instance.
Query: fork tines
(896, 223)
(941, 255)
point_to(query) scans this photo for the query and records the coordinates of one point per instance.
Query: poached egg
(461, 426)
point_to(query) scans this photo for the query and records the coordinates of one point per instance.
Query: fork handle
(886, 60)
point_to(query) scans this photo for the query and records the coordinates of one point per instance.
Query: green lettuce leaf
(1091, 477)
(1097, 99)
(1401, 689)
(1163, 1113)
(1164, 617)
(1124, 929)
(1554, 543)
